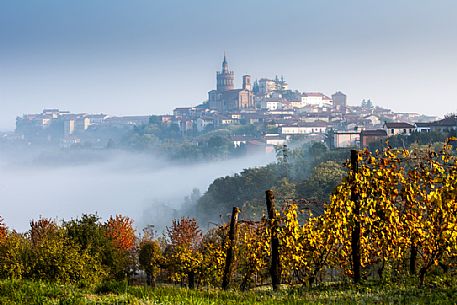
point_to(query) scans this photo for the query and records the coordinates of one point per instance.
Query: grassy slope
(27, 292)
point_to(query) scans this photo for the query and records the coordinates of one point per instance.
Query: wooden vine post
(355, 237)
(412, 259)
(275, 270)
(231, 249)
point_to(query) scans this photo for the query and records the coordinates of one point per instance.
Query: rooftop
(398, 125)
(423, 124)
(316, 94)
(449, 121)
(375, 132)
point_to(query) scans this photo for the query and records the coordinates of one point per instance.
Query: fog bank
(64, 185)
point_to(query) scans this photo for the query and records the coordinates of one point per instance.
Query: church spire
(225, 64)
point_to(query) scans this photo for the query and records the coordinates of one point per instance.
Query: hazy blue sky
(150, 56)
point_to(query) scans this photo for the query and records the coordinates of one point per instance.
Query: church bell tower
(225, 78)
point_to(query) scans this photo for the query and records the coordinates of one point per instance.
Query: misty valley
(65, 184)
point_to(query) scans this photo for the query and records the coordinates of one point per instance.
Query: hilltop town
(278, 113)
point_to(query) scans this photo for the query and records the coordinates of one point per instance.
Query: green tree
(317, 149)
(149, 258)
(88, 233)
(55, 257)
(92, 236)
(285, 190)
(323, 180)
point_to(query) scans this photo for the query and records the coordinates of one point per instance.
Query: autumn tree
(3, 230)
(15, 254)
(184, 257)
(41, 229)
(121, 232)
(120, 255)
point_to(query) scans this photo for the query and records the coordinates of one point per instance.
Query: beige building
(69, 126)
(372, 136)
(346, 139)
(339, 102)
(267, 86)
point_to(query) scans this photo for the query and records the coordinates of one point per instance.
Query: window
(392, 131)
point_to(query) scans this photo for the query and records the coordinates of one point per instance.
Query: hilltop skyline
(142, 57)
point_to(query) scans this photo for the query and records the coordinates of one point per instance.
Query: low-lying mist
(66, 184)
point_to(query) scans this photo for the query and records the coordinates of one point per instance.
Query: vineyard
(392, 218)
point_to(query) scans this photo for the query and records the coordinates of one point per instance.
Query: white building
(304, 128)
(202, 123)
(275, 139)
(423, 127)
(96, 119)
(316, 98)
(295, 104)
(372, 120)
(270, 104)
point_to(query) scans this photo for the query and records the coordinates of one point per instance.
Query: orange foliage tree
(3, 230)
(184, 233)
(121, 232)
